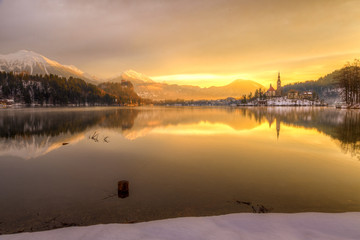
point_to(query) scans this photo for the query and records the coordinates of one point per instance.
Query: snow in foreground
(234, 226)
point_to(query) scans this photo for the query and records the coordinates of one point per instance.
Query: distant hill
(124, 91)
(328, 81)
(147, 88)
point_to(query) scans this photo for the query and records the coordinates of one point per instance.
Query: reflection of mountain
(153, 118)
(30, 133)
(35, 146)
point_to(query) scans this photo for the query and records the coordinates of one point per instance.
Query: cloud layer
(252, 39)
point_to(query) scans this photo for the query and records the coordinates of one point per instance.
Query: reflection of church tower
(270, 119)
(278, 89)
(277, 128)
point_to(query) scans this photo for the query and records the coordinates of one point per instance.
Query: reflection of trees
(319, 118)
(53, 123)
(338, 124)
(349, 133)
(44, 124)
(121, 118)
(341, 125)
(28, 134)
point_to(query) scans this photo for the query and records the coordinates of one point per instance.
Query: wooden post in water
(123, 189)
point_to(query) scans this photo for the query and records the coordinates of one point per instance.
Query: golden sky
(204, 42)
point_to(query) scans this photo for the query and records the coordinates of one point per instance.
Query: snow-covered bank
(284, 101)
(234, 226)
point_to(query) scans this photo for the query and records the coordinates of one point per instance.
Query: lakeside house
(7, 101)
(307, 95)
(292, 94)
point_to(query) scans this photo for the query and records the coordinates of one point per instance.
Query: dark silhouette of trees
(124, 92)
(52, 89)
(323, 87)
(349, 81)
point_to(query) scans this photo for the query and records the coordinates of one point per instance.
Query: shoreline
(24, 106)
(270, 226)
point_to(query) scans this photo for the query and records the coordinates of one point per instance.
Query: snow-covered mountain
(132, 76)
(34, 63)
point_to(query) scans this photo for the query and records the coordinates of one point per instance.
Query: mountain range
(147, 88)
(34, 63)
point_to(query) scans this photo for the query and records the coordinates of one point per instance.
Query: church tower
(278, 89)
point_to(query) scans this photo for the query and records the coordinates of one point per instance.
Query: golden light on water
(202, 128)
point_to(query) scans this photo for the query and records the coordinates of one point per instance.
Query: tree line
(124, 91)
(55, 90)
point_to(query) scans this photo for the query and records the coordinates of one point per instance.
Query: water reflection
(341, 125)
(348, 133)
(32, 133)
(179, 161)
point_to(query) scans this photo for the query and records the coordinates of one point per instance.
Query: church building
(271, 92)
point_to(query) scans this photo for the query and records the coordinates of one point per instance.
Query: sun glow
(201, 79)
(292, 70)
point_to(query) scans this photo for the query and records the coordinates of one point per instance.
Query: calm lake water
(60, 167)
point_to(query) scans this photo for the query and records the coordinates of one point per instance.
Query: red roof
(271, 89)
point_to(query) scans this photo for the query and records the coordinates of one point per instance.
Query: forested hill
(55, 90)
(326, 87)
(328, 80)
(124, 91)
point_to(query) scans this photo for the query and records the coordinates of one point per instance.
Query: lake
(61, 166)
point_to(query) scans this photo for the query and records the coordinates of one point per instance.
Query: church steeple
(278, 81)
(278, 89)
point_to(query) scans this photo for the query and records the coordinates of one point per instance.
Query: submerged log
(123, 189)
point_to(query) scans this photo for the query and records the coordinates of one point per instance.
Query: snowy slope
(299, 226)
(132, 76)
(34, 63)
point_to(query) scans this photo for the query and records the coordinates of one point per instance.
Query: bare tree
(349, 82)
